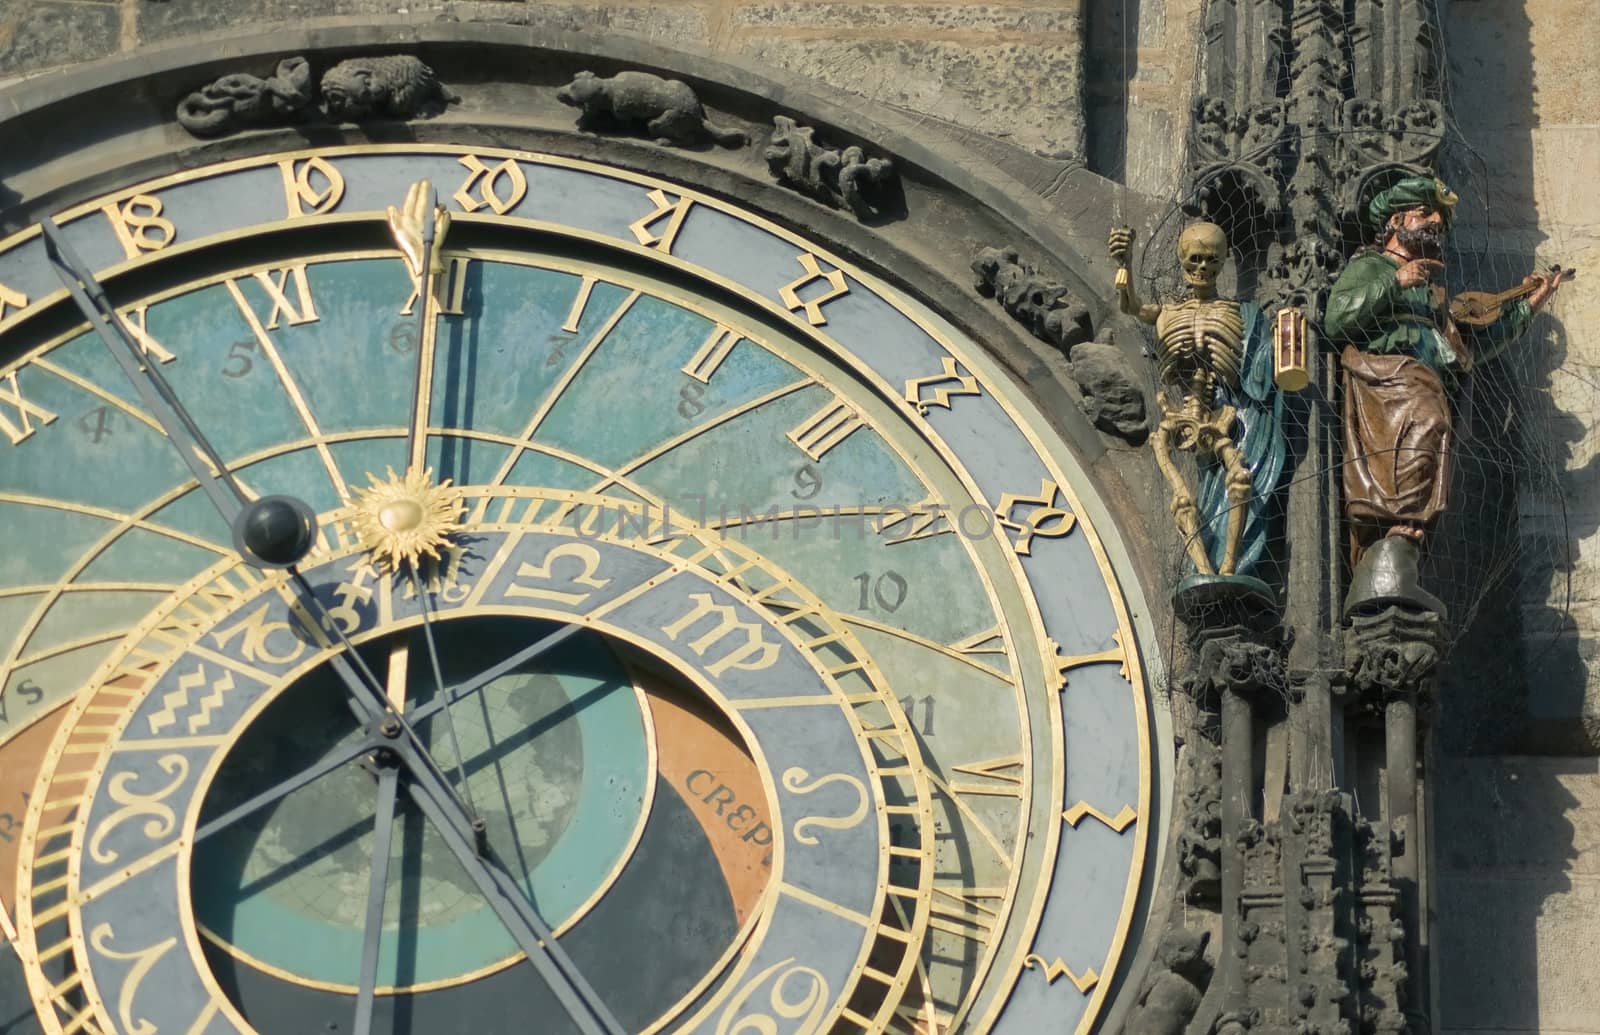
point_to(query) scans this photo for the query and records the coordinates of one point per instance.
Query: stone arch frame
(107, 123)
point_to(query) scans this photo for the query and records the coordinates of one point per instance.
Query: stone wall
(1012, 70)
(1518, 837)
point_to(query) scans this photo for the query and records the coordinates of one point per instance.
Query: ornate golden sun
(404, 519)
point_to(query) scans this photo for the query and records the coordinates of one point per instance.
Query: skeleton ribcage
(1200, 343)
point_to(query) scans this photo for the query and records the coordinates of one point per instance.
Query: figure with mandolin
(1401, 342)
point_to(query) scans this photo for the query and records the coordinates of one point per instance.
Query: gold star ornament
(403, 519)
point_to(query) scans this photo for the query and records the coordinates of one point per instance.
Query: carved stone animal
(1043, 305)
(1176, 986)
(395, 86)
(239, 100)
(666, 109)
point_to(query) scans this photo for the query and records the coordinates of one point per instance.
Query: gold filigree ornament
(404, 519)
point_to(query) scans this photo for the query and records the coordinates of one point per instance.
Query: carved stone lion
(394, 86)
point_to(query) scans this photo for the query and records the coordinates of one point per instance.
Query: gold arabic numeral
(941, 394)
(450, 288)
(753, 653)
(797, 781)
(709, 356)
(137, 322)
(1043, 519)
(1057, 968)
(193, 711)
(826, 428)
(10, 299)
(139, 225)
(257, 637)
(441, 576)
(659, 227)
(280, 284)
(790, 292)
(795, 994)
(17, 424)
(160, 820)
(143, 961)
(500, 188)
(585, 564)
(311, 186)
(1118, 823)
(965, 912)
(1066, 664)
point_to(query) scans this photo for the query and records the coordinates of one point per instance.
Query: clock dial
(853, 735)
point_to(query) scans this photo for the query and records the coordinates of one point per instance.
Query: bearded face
(1419, 231)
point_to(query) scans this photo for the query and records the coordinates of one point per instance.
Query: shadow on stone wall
(1506, 827)
(1111, 62)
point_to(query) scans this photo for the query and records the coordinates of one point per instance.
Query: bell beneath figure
(275, 531)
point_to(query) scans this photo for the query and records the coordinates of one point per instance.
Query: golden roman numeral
(579, 304)
(1000, 780)
(923, 520)
(988, 641)
(135, 320)
(450, 288)
(19, 425)
(825, 429)
(12, 300)
(673, 210)
(1066, 664)
(712, 352)
(276, 283)
(962, 911)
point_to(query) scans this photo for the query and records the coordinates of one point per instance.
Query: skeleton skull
(1202, 248)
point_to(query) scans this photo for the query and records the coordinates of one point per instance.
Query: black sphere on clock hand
(275, 531)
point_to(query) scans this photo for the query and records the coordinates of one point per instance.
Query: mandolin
(1482, 308)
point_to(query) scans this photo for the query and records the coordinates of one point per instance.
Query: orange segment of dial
(20, 761)
(703, 759)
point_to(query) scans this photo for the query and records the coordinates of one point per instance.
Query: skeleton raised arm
(1120, 245)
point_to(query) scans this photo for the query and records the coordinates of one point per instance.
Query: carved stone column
(1392, 659)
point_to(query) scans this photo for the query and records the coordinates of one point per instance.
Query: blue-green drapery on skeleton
(1259, 435)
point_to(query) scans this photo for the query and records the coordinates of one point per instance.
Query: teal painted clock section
(911, 649)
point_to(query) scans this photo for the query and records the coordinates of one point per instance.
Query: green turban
(1411, 192)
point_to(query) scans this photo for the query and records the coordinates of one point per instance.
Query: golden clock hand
(419, 227)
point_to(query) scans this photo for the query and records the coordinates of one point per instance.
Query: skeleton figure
(1217, 353)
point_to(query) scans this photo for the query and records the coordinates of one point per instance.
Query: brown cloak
(1396, 444)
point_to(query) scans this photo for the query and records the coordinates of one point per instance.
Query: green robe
(1369, 309)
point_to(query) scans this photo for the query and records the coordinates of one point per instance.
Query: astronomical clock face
(678, 596)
